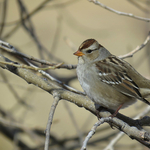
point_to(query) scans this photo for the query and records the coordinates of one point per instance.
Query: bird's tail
(145, 94)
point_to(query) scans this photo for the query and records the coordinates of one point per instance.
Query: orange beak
(78, 53)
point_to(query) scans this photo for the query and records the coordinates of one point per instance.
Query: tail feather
(145, 101)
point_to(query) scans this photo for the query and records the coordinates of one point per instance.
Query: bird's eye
(89, 51)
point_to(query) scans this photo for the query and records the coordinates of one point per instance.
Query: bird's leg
(100, 108)
(115, 113)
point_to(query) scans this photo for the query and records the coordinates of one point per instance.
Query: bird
(108, 80)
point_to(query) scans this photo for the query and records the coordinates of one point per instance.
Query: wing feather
(112, 72)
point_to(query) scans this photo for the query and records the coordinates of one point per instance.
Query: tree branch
(120, 134)
(10, 49)
(50, 119)
(138, 48)
(127, 125)
(119, 12)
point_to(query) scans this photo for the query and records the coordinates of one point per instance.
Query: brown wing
(112, 72)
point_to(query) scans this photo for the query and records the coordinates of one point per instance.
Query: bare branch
(131, 131)
(52, 81)
(50, 119)
(10, 122)
(14, 124)
(114, 141)
(119, 12)
(18, 23)
(3, 17)
(30, 67)
(21, 101)
(138, 48)
(121, 134)
(58, 81)
(93, 130)
(72, 117)
(123, 123)
(9, 48)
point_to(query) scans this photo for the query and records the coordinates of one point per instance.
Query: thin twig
(114, 141)
(138, 48)
(119, 12)
(10, 49)
(139, 6)
(15, 94)
(72, 117)
(50, 119)
(57, 34)
(11, 123)
(18, 23)
(30, 67)
(29, 27)
(92, 131)
(3, 17)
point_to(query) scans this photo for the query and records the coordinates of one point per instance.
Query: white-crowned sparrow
(108, 80)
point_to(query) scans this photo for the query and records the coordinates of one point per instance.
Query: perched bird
(108, 80)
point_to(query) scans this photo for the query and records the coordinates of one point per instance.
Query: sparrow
(108, 80)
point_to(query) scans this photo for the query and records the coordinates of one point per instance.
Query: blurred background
(49, 28)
